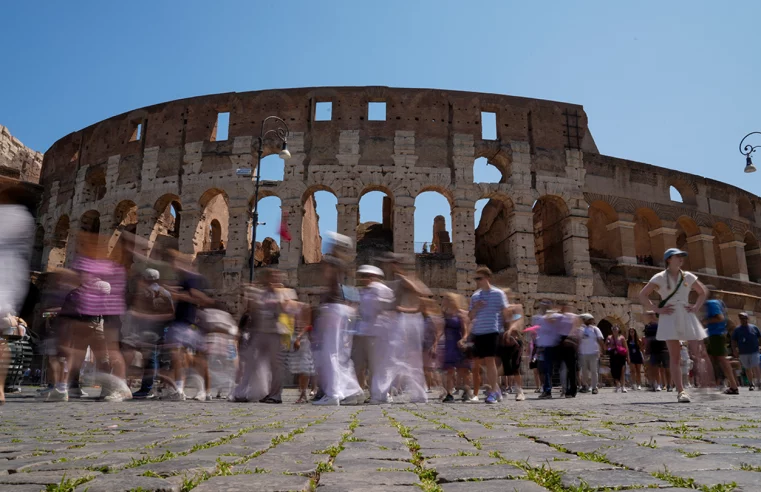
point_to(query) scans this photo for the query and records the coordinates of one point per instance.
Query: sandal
(302, 399)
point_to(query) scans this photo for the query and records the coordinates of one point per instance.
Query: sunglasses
(478, 278)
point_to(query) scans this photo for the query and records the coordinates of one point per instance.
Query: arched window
(674, 195)
(57, 255)
(433, 224)
(320, 215)
(486, 172)
(492, 219)
(753, 257)
(550, 216)
(375, 231)
(215, 236)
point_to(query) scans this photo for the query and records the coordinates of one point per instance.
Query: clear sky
(672, 83)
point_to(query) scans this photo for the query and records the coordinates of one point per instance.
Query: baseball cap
(586, 316)
(742, 315)
(673, 251)
(370, 270)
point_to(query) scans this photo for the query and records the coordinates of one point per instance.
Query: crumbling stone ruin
(563, 222)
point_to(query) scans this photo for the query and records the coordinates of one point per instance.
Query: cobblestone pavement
(594, 442)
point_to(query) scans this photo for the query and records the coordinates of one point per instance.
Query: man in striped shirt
(488, 311)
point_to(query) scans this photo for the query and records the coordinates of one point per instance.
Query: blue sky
(673, 83)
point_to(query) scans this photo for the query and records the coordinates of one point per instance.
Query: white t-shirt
(590, 334)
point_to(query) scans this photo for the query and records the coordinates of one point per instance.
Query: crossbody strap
(678, 284)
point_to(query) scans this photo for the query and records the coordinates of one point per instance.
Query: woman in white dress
(677, 321)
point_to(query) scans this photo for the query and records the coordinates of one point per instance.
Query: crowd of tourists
(387, 339)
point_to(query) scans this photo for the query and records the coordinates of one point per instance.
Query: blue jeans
(547, 365)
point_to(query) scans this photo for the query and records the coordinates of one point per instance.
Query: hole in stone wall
(323, 111)
(484, 172)
(221, 127)
(137, 132)
(376, 111)
(674, 195)
(488, 125)
(273, 168)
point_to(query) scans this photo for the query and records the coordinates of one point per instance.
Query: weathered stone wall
(558, 203)
(18, 161)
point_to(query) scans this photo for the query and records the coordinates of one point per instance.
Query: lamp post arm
(748, 149)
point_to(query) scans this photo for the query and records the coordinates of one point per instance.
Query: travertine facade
(564, 222)
(16, 160)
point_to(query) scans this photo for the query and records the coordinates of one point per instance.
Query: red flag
(284, 234)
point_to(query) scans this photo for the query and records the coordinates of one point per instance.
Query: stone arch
(430, 206)
(494, 228)
(726, 264)
(494, 169)
(645, 222)
(550, 216)
(125, 220)
(745, 208)
(314, 225)
(603, 243)
(168, 215)
(686, 189)
(95, 185)
(375, 233)
(606, 326)
(685, 229)
(90, 222)
(753, 257)
(211, 232)
(60, 237)
(267, 247)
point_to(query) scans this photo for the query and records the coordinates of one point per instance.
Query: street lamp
(747, 151)
(281, 132)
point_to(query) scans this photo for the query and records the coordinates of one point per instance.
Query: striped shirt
(93, 303)
(489, 317)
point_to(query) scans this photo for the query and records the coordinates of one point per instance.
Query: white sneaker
(623, 389)
(56, 395)
(520, 396)
(658, 388)
(327, 401)
(639, 388)
(201, 396)
(683, 397)
(473, 399)
(210, 398)
(499, 396)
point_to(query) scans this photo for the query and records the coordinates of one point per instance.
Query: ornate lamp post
(747, 151)
(281, 132)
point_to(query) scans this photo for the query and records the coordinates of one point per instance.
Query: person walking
(634, 344)
(745, 347)
(16, 242)
(590, 348)
(618, 354)
(375, 300)
(715, 321)
(454, 363)
(658, 373)
(489, 309)
(677, 320)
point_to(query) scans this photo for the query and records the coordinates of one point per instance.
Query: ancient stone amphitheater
(564, 221)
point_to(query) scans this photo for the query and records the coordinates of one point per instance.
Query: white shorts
(749, 361)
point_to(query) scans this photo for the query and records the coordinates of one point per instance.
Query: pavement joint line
(334, 451)
(427, 476)
(226, 469)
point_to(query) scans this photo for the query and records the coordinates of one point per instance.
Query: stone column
(189, 243)
(733, 260)
(71, 243)
(290, 251)
(662, 239)
(404, 217)
(523, 249)
(146, 222)
(700, 249)
(753, 262)
(622, 235)
(348, 217)
(464, 243)
(576, 246)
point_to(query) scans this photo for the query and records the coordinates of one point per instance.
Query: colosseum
(564, 222)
